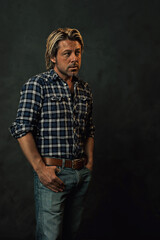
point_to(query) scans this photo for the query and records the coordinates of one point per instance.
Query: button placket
(71, 106)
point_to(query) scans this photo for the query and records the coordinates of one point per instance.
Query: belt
(74, 164)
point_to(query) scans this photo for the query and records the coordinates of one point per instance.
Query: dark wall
(121, 62)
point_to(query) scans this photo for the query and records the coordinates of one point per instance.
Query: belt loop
(63, 163)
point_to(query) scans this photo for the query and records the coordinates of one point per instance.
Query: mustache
(73, 65)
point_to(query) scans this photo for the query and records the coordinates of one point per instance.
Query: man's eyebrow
(66, 50)
(69, 50)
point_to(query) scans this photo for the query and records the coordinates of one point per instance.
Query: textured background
(121, 62)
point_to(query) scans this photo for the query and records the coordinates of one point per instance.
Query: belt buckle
(76, 162)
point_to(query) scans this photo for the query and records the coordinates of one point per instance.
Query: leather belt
(74, 164)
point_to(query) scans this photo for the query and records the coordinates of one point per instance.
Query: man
(55, 131)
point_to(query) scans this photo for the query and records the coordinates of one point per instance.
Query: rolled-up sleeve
(90, 124)
(31, 98)
(91, 128)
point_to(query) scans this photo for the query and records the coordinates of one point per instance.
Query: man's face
(68, 59)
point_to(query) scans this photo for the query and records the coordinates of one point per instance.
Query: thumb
(57, 170)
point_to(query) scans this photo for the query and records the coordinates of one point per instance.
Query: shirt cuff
(19, 130)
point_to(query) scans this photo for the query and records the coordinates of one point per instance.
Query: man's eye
(77, 53)
(67, 54)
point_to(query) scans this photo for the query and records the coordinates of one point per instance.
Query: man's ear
(53, 59)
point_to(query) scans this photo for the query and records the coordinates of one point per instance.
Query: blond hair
(53, 42)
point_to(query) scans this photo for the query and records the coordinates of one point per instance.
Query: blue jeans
(58, 215)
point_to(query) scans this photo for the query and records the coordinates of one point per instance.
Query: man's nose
(73, 57)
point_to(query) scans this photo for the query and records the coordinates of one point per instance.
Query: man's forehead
(69, 44)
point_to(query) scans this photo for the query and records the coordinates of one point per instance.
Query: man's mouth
(74, 66)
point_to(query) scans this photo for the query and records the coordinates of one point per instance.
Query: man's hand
(47, 176)
(89, 165)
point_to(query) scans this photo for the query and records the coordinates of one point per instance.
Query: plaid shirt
(59, 123)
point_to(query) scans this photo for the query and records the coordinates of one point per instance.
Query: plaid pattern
(59, 124)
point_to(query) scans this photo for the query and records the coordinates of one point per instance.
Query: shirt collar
(56, 77)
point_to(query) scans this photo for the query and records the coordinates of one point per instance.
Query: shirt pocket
(82, 106)
(55, 107)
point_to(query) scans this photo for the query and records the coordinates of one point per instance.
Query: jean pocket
(58, 170)
(90, 171)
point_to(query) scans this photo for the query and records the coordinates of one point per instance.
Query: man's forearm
(47, 175)
(28, 146)
(89, 147)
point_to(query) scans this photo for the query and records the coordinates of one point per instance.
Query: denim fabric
(58, 215)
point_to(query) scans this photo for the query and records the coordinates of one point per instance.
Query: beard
(70, 71)
(66, 71)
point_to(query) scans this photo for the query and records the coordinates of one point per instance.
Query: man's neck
(64, 77)
(70, 85)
